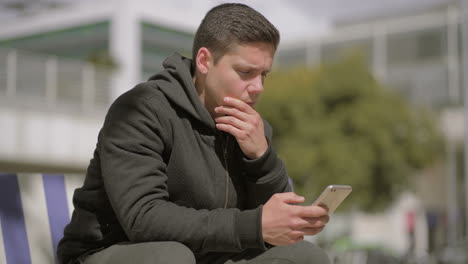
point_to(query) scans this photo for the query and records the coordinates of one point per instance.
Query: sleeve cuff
(259, 167)
(249, 226)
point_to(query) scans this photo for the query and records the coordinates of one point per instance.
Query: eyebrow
(255, 67)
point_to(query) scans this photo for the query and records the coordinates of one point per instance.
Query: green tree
(338, 125)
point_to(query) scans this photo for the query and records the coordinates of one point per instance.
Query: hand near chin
(245, 124)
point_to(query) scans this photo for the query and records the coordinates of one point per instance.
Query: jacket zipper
(227, 171)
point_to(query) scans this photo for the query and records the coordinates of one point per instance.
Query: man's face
(240, 74)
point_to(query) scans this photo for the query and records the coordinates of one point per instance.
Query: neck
(199, 87)
(201, 91)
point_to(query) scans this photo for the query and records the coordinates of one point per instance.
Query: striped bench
(34, 209)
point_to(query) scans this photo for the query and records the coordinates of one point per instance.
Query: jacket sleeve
(131, 147)
(266, 175)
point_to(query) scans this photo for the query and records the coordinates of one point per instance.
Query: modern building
(417, 52)
(66, 66)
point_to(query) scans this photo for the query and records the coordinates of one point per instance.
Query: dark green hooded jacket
(161, 171)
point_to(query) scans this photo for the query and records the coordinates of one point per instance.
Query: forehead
(251, 54)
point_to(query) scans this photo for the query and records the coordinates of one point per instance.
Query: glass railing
(52, 83)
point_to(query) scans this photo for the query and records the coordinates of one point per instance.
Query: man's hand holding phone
(285, 222)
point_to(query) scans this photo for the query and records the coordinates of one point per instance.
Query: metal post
(379, 52)
(11, 73)
(88, 87)
(51, 81)
(453, 55)
(464, 27)
(454, 97)
(452, 203)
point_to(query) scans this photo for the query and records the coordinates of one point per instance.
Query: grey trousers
(174, 252)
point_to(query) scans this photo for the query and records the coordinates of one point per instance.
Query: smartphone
(332, 196)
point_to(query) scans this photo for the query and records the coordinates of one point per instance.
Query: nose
(256, 86)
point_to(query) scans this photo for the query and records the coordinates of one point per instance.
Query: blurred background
(368, 93)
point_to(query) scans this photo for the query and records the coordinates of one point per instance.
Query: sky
(294, 18)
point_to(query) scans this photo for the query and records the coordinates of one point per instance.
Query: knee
(176, 252)
(305, 252)
(144, 253)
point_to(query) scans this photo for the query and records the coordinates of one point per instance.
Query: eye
(244, 72)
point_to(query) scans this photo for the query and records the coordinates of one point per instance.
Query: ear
(203, 60)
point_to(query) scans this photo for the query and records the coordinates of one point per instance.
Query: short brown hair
(228, 24)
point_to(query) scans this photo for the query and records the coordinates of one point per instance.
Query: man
(184, 172)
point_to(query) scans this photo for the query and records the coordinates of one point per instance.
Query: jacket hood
(176, 82)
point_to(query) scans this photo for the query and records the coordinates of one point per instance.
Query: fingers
(236, 103)
(240, 129)
(311, 219)
(303, 223)
(289, 198)
(243, 118)
(311, 231)
(231, 111)
(296, 236)
(312, 211)
(317, 221)
(236, 132)
(324, 207)
(233, 121)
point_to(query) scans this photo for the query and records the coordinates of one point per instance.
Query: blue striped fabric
(57, 208)
(15, 240)
(26, 206)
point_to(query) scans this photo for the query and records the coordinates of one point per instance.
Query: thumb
(291, 198)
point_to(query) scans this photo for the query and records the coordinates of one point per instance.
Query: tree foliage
(338, 125)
